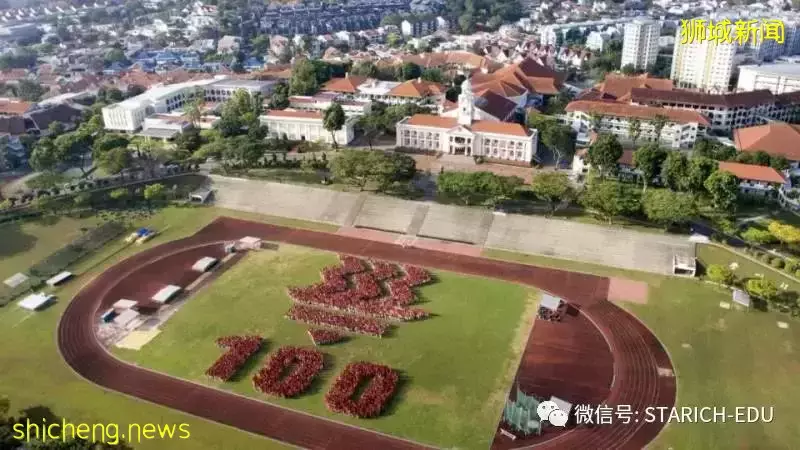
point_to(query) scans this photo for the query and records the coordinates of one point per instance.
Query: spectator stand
(551, 308)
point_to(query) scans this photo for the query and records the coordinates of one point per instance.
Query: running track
(637, 354)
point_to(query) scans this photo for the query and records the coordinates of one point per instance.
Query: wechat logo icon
(549, 411)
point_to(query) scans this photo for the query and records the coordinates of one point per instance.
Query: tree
(154, 192)
(304, 79)
(700, 169)
(55, 129)
(628, 69)
(778, 162)
(115, 160)
(394, 40)
(119, 195)
(720, 274)
(334, 121)
(279, 99)
(30, 91)
(45, 155)
(596, 120)
(189, 140)
(724, 190)
(668, 208)
(604, 154)
(787, 234)
(108, 142)
(553, 188)
(634, 130)
(474, 187)
(465, 23)
(409, 71)
(372, 124)
(115, 55)
(353, 167)
(659, 121)
(133, 90)
(762, 288)
(714, 150)
(434, 75)
(365, 69)
(758, 236)
(675, 171)
(611, 199)
(260, 44)
(648, 160)
(194, 111)
(558, 138)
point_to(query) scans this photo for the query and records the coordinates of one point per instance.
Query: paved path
(170, 263)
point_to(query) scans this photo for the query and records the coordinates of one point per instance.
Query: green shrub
(791, 265)
(797, 273)
(766, 258)
(720, 274)
(777, 263)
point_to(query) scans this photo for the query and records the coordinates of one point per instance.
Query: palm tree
(597, 121)
(194, 111)
(658, 125)
(634, 130)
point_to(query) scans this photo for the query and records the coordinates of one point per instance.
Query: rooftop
(776, 138)
(480, 126)
(752, 172)
(636, 111)
(241, 84)
(780, 69)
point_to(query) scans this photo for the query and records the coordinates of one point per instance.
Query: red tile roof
(9, 107)
(480, 126)
(617, 87)
(295, 114)
(428, 120)
(752, 172)
(348, 84)
(739, 99)
(417, 89)
(514, 80)
(640, 112)
(776, 138)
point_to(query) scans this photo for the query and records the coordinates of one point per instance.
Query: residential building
(597, 40)
(640, 43)
(680, 131)
(775, 138)
(706, 65)
(390, 92)
(462, 135)
(726, 112)
(761, 181)
(777, 78)
(305, 126)
(419, 26)
(323, 101)
(229, 44)
(617, 87)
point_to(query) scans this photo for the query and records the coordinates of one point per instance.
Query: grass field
(713, 254)
(457, 365)
(722, 358)
(33, 373)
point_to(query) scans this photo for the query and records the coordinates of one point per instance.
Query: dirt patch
(625, 290)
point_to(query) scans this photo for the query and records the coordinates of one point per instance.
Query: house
(462, 135)
(681, 128)
(229, 44)
(761, 181)
(527, 83)
(775, 138)
(617, 87)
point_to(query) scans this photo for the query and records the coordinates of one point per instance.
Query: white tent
(698, 238)
(34, 302)
(203, 264)
(562, 404)
(124, 304)
(250, 242)
(60, 278)
(166, 293)
(550, 302)
(740, 297)
(126, 318)
(15, 280)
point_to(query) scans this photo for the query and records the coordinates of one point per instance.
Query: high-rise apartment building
(640, 44)
(703, 64)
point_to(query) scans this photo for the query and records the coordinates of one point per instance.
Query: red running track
(636, 352)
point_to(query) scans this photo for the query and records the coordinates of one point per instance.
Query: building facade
(640, 43)
(305, 126)
(777, 78)
(464, 136)
(680, 131)
(705, 65)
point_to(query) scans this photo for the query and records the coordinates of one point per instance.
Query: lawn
(33, 373)
(713, 254)
(457, 365)
(722, 358)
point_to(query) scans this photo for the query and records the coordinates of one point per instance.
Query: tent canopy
(166, 293)
(35, 301)
(60, 278)
(740, 297)
(204, 263)
(550, 302)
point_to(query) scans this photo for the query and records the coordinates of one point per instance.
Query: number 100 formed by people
(727, 32)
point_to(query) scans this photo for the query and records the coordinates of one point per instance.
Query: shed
(200, 195)
(35, 302)
(204, 264)
(550, 302)
(166, 293)
(60, 278)
(126, 317)
(684, 265)
(16, 280)
(124, 304)
(741, 297)
(250, 242)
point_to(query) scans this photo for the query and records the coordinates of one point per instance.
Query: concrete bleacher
(385, 213)
(285, 200)
(583, 242)
(458, 224)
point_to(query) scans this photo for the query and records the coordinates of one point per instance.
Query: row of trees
(359, 168)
